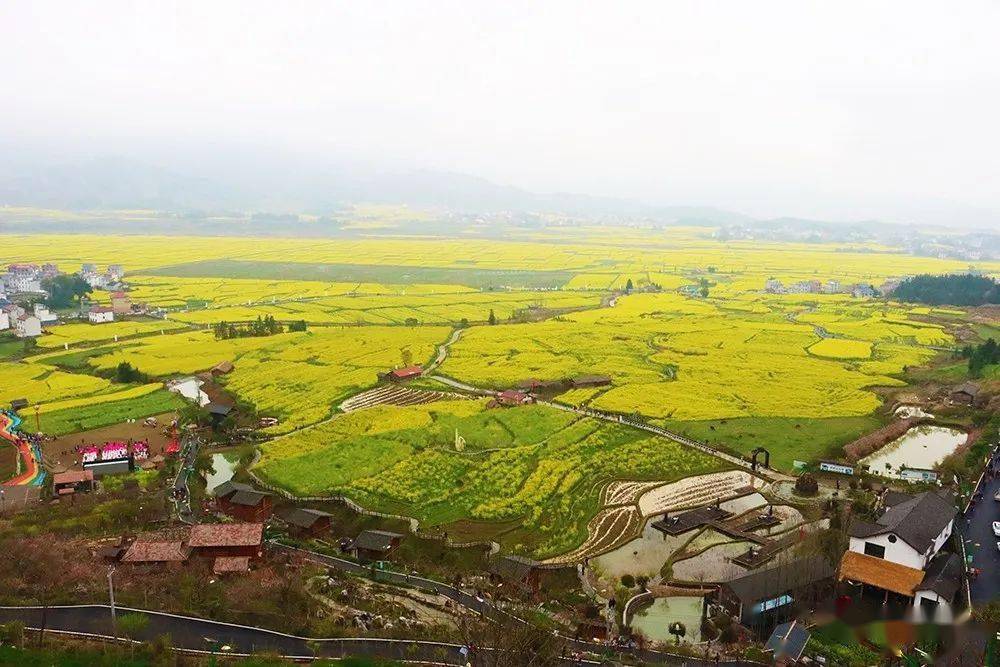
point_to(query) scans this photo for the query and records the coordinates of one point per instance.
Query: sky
(835, 110)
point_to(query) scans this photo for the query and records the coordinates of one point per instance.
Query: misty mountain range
(115, 183)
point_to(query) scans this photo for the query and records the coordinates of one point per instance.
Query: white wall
(943, 612)
(901, 552)
(898, 552)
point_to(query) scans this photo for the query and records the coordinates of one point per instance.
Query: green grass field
(787, 439)
(365, 273)
(74, 420)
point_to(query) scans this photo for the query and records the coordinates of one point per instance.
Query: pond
(920, 447)
(654, 620)
(644, 555)
(225, 466)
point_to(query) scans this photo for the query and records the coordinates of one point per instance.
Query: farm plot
(86, 333)
(298, 377)
(539, 466)
(395, 395)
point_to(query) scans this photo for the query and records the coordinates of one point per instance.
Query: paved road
(977, 529)
(200, 635)
(443, 351)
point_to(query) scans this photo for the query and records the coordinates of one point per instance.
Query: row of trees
(262, 326)
(981, 356)
(957, 290)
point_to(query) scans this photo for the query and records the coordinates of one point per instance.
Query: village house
(586, 381)
(862, 291)
(101, 314)
(222, 368)
(534, 385)
(402, 374)
(121, 303)
(27, 326)
(44, 315)
(4, 320)
(774, 286)
(116, 272)
(965, 394)
(243, 502)
(900, 555)
(72, 481)
(145, 552)
(762, 599)
(372, 545)
(306, 523)
(212, 540)
(513, 397)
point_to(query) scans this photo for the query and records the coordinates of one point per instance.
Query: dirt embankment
(875, 440)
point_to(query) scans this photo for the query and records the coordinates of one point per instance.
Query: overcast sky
(826, 109)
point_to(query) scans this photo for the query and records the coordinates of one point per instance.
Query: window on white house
(872, 549)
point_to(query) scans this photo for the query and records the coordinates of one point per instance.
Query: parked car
(996, 528)
(996, 496)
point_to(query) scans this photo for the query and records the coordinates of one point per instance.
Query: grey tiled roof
(918, 520)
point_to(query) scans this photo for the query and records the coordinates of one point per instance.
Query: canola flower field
(535, 466)
(697, 346)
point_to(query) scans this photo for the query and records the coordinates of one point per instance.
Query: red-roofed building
(143, 551)
(228, 539)
(121, 303)
(407, 373)
(513, 397)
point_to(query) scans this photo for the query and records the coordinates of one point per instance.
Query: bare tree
(508, 642)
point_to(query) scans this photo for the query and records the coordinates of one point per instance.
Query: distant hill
(955, 290)
(279, 186)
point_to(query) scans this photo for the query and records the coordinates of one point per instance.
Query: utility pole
(111, 595)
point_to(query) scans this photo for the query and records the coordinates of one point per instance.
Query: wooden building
(72, 481)
(372, 545)
(402, 374)
(243, 502)
(585, 381)
(762, 599)
(146, 552)
(213, 540)
(965, 394)
(306, 523)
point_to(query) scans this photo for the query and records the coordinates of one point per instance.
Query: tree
(65, 291)
(492, 319)
(407, 356)
(299, 325)
(628, 286)
(678, 630)
(192, 413)
(131, 626)
(126, 373)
